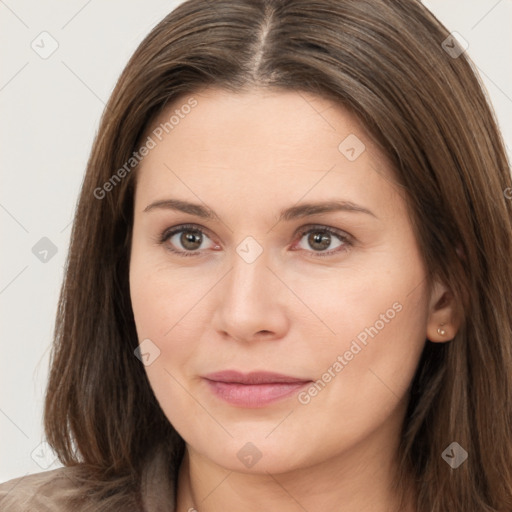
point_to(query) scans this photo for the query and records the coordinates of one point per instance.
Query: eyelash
(342, 237)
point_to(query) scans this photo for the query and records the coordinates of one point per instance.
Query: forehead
(256, 140)
(267, 114)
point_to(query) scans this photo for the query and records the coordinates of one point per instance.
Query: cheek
(160, 305)
(159, 295)
(163, 308)
(170, 308)
(378, 316)
(383, 296)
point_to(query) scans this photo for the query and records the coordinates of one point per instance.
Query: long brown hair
(388, 62)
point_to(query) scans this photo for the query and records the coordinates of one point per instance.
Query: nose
(251, 302)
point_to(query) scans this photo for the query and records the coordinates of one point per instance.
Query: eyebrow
(294, 212)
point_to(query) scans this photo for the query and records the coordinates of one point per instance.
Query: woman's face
(270, 236)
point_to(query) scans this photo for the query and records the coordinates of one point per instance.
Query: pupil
(323, 239)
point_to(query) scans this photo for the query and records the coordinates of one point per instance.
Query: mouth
(255, 389)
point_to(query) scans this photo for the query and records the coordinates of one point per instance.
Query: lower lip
(254, 395)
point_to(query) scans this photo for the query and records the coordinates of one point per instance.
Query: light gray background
(50, 112)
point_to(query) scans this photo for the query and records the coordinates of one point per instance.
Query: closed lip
(237, 377)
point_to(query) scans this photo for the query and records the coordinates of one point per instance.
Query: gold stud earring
(441, 331)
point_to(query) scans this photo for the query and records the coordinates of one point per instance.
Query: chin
(257, 455)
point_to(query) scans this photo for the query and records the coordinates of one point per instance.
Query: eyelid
(321, 227)
(167, 233)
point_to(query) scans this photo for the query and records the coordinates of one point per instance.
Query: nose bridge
(249, 300)
(250, 276)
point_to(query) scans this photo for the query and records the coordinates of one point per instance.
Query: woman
(289, 276)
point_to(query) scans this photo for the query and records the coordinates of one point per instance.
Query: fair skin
(247, 157)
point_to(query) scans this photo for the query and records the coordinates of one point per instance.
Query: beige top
(49, 491)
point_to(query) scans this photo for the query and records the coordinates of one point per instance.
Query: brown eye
(191, 240)
(319, 241)
(186, 241)
(324, 241)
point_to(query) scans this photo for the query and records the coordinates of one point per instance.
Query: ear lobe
(443, 321)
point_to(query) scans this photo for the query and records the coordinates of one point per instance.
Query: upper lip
(233, 376)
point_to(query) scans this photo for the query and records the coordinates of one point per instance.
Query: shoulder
(45, 491)
(72, 488)
(75, 488)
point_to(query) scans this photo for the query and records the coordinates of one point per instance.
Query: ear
(443, 321)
